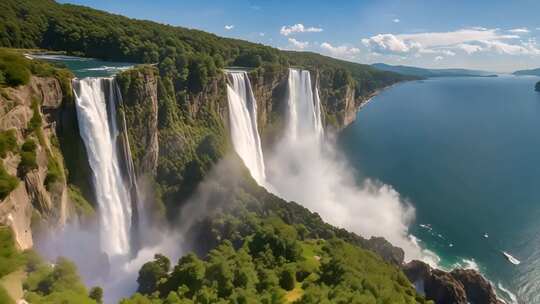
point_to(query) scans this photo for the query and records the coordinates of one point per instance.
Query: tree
(189, 272)
(332, 271)
(287, 279)
(151, 273)
(537, 87)
(96, 293)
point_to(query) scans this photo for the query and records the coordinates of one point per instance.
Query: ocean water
(465, 152)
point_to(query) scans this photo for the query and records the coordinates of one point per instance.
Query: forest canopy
(188, 56)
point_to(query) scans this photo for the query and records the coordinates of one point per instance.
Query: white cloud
(525, 48)
(383, 43)
(439, 58)
(298, 28)
(522, 30)
(468, 41)
(298, 44)
(229, 27)
(396, 20)
(341, 51)
(469, 48)
(261, 34)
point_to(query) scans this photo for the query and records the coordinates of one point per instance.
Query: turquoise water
(87, 67)
(466, 153)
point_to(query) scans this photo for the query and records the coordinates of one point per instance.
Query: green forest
(190, 57)
(258, 248)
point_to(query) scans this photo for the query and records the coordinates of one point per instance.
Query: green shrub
(96, 293)
(36, 121)
(4, 297)
(54, 172)
(8, 142)
(82, 207)
(8, 183)
(287, 278)
(15, 69)
(10, 258)
(58, 284)
(28, 156)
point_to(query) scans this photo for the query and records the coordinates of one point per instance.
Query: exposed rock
(31, 196)
(39, 197)
(47, 90)
(139, 94)
(457, 287)
(386, 250)
(478, 289)
(16, 212)
(270, 91)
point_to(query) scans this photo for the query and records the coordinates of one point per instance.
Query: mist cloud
(318, 176)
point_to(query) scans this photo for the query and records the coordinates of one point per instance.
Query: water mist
(306, 168)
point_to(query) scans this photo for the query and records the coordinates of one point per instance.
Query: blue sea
(465, 152)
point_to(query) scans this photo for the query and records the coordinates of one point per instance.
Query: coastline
(501, 293)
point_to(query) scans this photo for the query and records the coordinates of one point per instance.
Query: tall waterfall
(243, 119)
(96, 101)
(304, 106)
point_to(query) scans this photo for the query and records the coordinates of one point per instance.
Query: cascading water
(243, 120)
(99, 131)
(305, 167)
(304, 105)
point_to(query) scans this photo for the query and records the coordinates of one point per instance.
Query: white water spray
(304, 106)
(306, 168)
(99, 131)
(243, 120)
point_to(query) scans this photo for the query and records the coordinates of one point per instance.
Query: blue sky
(492, 35)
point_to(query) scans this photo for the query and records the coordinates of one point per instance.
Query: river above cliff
(465, 153)
(86, 67)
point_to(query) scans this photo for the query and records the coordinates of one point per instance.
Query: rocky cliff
(459, 286)
(30, 112)
(174, 140)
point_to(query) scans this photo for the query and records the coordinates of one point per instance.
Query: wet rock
(460, 286)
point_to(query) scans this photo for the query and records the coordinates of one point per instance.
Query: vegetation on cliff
(257, 246)
(8, 143)
(44, 283)
(189, 57)
(274, 266)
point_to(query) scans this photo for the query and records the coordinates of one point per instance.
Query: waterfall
(304, 116)
(96, 100)
(243, 120)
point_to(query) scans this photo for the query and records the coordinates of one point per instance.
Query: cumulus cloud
(469, 48)
(396, 20)
(229, 27)
(341, 51)
(298, 44)
(525, 48)
(522, 30)
(468, 41)
(298, 28)
(383, 43)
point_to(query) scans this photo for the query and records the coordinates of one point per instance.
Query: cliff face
(460, 286)
(140, 109)
(30, 111)
(270, 91)
(171, 134)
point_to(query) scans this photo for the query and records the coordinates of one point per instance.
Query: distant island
(429, 73)
(531, 72)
